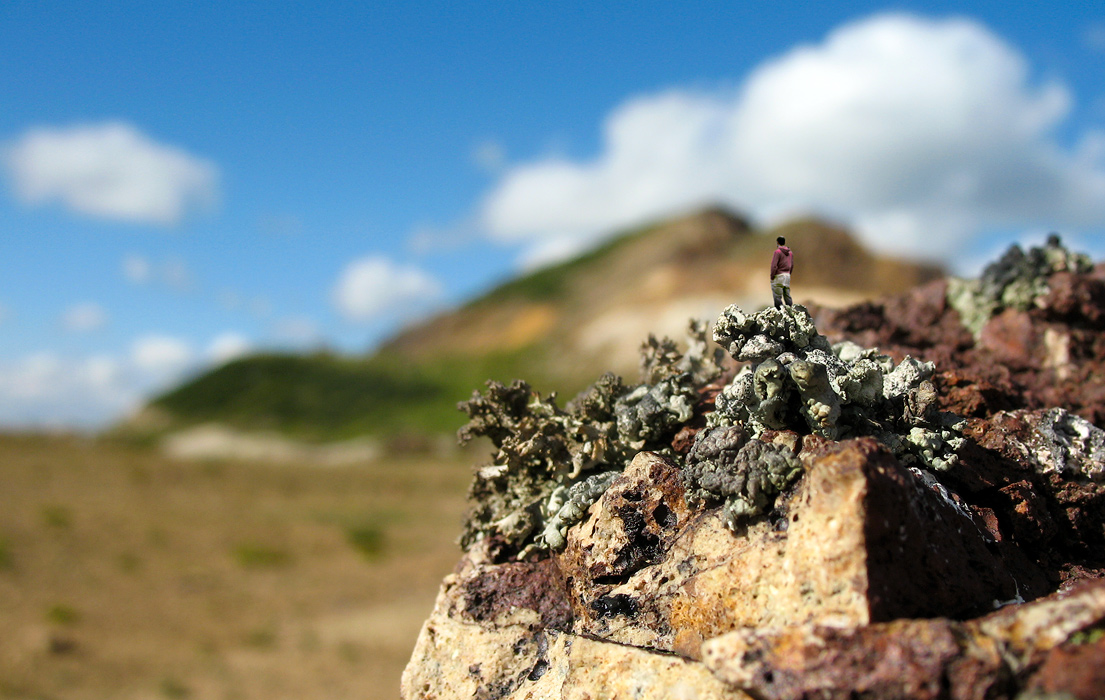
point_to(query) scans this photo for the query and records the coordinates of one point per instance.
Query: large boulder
(924, 519)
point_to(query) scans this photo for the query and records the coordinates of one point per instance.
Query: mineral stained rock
(906, 503)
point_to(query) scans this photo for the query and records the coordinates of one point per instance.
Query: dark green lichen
(744, 474)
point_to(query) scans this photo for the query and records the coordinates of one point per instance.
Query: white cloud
(48, 390)
(920, 132)
(162, 357)
(173, 273)
(110, 171)
(551, 251)
(228, 346)
(51, 390)
(84, 317)
(375, 287)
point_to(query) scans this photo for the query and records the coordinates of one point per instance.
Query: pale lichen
(568, 505)
(1067, 444)
(550, 463)
(1017, 280)
(834, 391)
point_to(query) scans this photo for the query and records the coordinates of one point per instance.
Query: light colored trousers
(780, 289)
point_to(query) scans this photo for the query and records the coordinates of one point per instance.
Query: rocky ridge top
(902, 499)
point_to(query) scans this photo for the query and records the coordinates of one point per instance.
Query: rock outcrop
(822, 520)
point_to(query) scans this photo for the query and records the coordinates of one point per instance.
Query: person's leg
(786, 296)
(777, 292)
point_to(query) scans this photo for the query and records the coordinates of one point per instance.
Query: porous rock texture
(827, 520)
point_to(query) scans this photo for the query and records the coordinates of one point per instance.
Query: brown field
(124, 574)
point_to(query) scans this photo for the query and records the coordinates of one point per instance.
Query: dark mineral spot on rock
(614, 605)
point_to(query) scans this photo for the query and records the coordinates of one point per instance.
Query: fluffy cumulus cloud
(162, 356)
(919, 132)
(228, 346)
(52, 391)
(110, 171)
(55, 390)
(375, 287)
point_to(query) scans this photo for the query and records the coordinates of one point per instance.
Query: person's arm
(776, 258)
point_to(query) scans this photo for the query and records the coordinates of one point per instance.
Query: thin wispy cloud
(53, 390)
(137, 269)
(920, 133)
(297, 331)
(173, 273)
(110, 171)
(489, 156)
(84, 317)
(1093, 38)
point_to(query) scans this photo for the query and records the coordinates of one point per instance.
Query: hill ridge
(558, 327)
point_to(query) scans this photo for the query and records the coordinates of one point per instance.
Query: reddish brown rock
(1078, 299)
(1012, 339)
(972, 395)
(1073, 670)
(903, 659)
(919, 659)
(490, 592)
(1051, 355)
(1028, 514)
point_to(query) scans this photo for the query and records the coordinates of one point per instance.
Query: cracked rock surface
(896, 500)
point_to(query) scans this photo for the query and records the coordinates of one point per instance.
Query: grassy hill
(558, 327)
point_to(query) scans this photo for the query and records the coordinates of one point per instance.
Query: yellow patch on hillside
(530, 324)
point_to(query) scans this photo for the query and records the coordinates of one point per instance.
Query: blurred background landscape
(253, 257)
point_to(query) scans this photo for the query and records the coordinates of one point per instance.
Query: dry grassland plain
(125, 574)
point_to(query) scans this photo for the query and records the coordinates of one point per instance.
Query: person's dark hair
(781, 241)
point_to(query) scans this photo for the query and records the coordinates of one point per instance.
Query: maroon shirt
(781, 261)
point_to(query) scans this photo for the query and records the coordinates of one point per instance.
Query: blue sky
(186, 181)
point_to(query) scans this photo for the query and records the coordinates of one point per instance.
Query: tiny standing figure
(782, 263)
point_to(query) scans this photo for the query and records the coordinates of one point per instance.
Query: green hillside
(325, 397)
(552, 327)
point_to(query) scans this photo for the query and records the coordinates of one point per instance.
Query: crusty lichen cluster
(551, 463)
(1016, 280)
(796, 380)
(746, 474)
